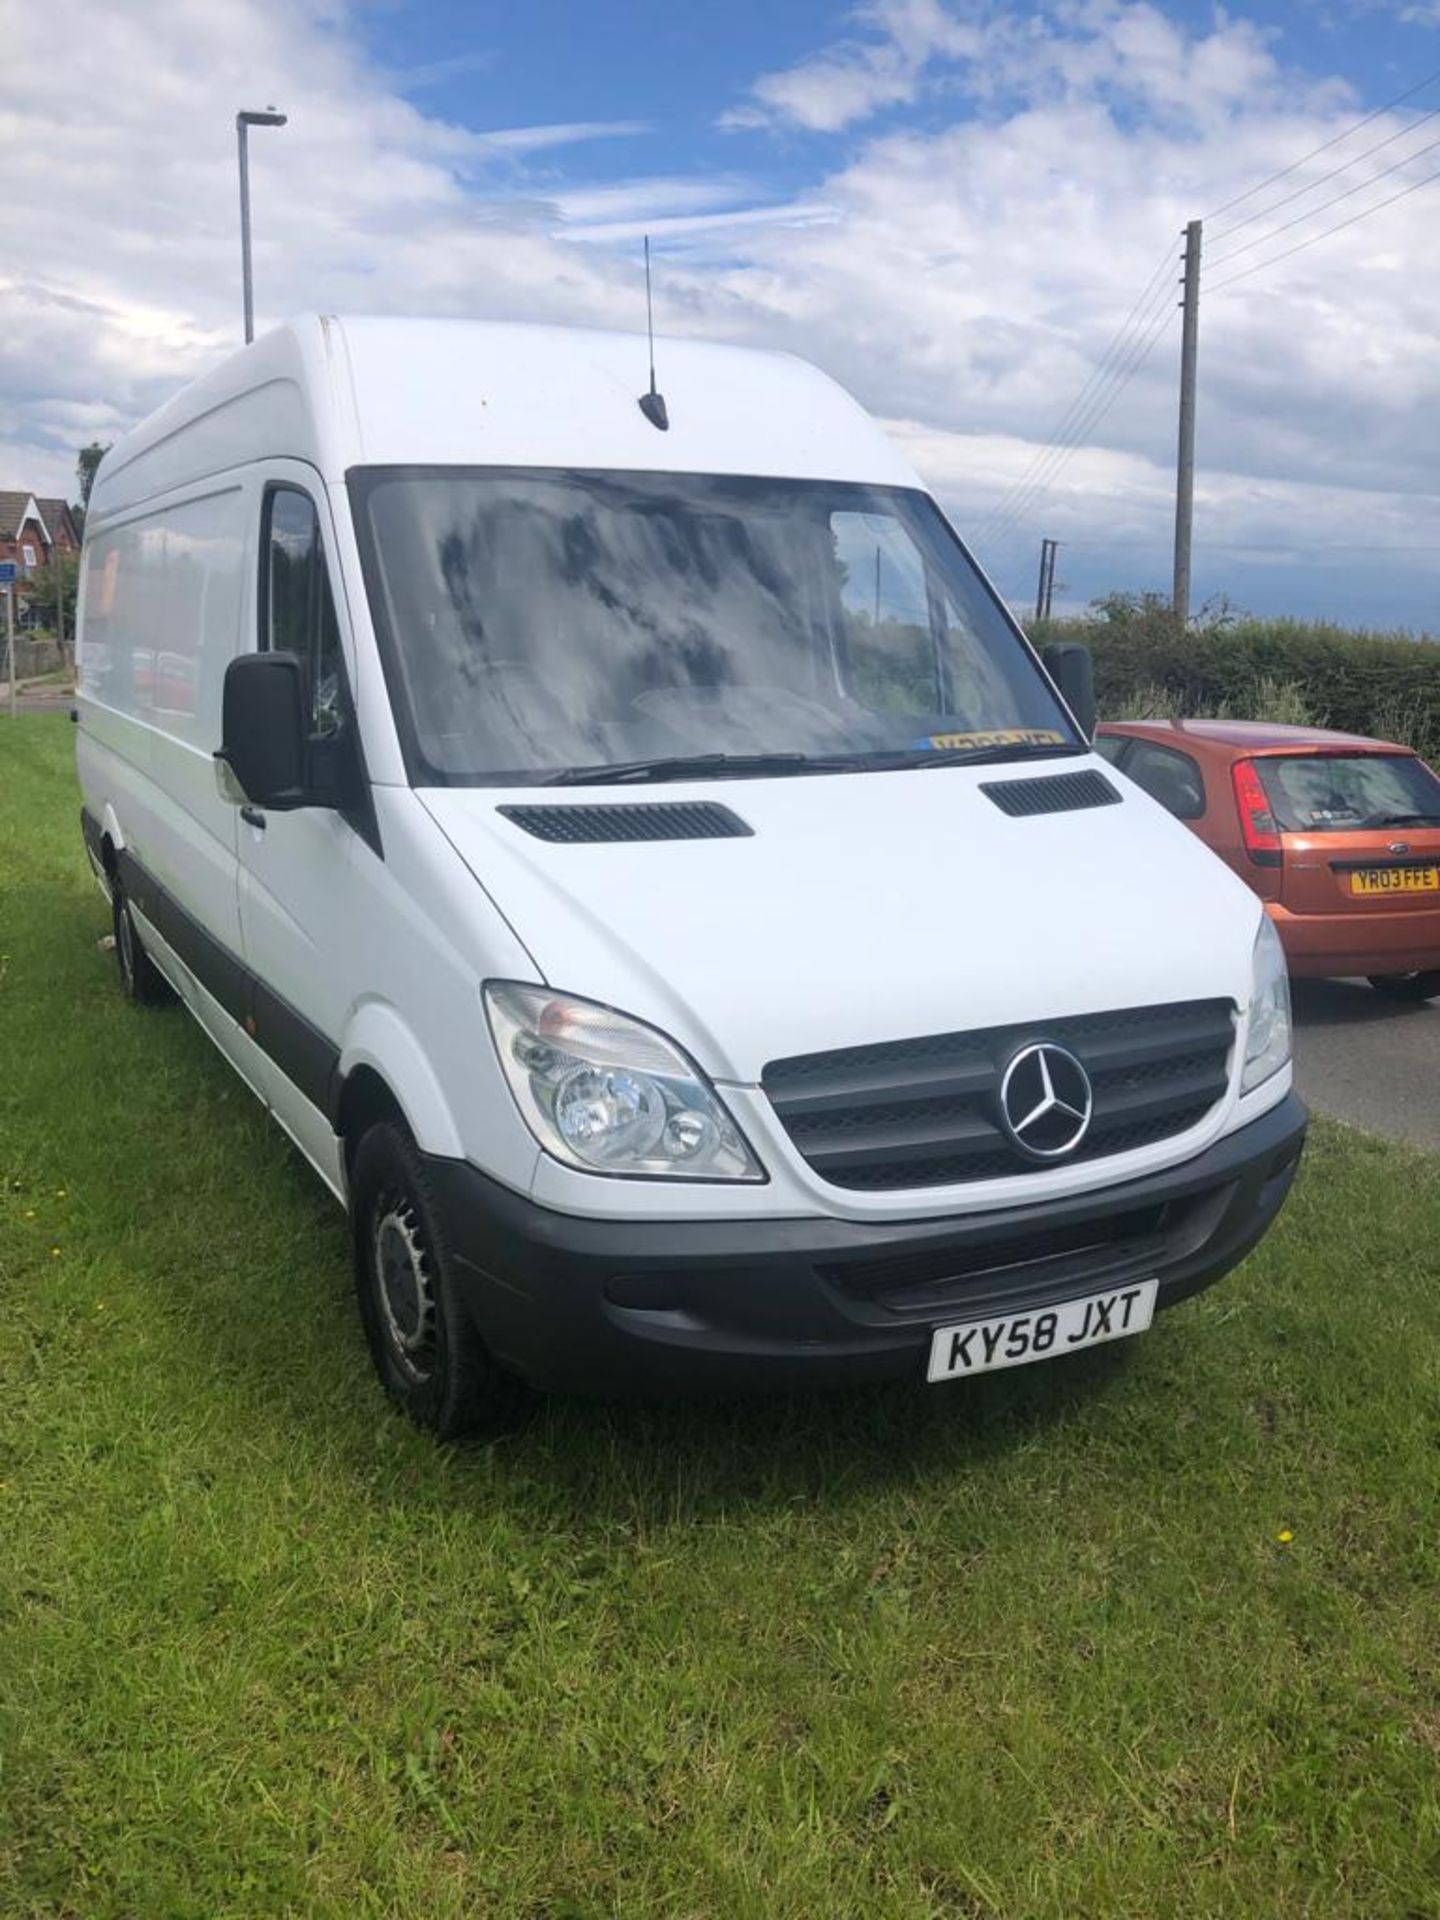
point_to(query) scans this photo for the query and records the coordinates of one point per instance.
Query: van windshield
(544, 626)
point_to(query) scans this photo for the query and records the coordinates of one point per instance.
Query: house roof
(15, 510)
(52, 515)
(57, 517)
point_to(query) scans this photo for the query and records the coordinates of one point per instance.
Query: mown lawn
(1149, 1632)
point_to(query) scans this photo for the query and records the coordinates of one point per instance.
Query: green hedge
(1383, 684)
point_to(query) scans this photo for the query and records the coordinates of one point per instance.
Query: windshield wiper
(1402, 820)
(741, 766)
(698, 766)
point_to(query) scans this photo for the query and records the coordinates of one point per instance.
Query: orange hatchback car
(1339, 836)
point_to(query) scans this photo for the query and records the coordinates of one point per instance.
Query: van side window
(297, 612)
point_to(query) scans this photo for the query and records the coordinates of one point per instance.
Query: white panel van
(640, 863)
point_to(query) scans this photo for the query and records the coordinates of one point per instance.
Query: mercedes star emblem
(1046, 1101)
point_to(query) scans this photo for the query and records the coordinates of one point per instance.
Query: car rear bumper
(1393, 940)
(585, 1305)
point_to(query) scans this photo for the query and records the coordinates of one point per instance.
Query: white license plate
(1014, 1339)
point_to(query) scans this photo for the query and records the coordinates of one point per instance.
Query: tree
(86, 462)
(43, 588)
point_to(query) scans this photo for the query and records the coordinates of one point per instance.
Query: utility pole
(1185, 464)
(1045, 591)
(59, 578)
(243, 123)
(10, 634)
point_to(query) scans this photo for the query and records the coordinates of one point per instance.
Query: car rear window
(1347, 792)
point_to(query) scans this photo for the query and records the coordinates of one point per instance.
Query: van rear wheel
(426, 1349)
(1414, 987)
(140, 979)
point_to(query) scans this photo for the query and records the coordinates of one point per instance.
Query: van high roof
(339, 393)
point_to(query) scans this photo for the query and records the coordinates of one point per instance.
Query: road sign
(7, 575)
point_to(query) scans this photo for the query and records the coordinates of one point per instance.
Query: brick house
(32, 530)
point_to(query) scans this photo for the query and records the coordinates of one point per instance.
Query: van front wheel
(140, 979)
(424, 1344)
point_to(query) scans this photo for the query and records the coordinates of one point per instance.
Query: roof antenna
(652, 404)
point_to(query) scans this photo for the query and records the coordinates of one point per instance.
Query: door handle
(253, 817)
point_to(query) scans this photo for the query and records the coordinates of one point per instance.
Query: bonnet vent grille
(1055, 793)
(665, 820)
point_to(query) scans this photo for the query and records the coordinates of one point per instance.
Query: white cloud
(690, 226)
(973, 278)
(964, 279)
(430, 73)
(854, 79)
(633, 199)
(1085, 47)
(672, 209)
(119, 267)
(521, 140)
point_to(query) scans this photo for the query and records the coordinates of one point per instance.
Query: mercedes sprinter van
(642, 865)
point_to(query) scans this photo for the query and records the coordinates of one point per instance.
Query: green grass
(1029, 1647)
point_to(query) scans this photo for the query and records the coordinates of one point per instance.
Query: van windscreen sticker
(994, 737)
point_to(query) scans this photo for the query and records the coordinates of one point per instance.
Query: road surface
(1368, 1060)
(35, 699)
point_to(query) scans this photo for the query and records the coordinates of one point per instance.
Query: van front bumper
(659, 1307)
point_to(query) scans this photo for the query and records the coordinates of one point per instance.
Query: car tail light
(1257, 823)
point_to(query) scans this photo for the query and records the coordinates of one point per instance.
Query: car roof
(1233, 739)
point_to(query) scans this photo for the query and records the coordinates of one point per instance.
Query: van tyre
(140, 979)
(426, 1349)
(1414, 987)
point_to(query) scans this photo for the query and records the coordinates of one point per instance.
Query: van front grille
(926, 1112)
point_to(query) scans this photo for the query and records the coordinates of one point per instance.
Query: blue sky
(951, 205)
(681, 68)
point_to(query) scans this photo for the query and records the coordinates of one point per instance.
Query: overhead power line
(1339, 227)
(1058, 457)
(1113, 365)
(1320, 179)
(1115, 348)
(1300, 219)
(1325, 146)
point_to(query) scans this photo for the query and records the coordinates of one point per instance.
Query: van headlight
(609, 1095)
(1267, 1033)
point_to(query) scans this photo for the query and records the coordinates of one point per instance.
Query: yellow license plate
(1396, 880)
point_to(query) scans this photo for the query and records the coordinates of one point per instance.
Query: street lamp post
(243, 123)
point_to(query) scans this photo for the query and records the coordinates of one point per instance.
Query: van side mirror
(1070, 667)
(262, 729)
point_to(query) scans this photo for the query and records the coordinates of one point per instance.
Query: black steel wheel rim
(125, 939)
(404, 1285)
